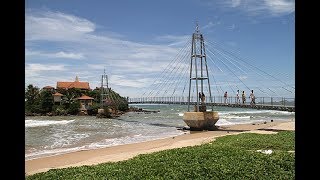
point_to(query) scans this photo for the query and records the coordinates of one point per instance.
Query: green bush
(93, 110)
(123, 107)
(74, 108)
(59, 110)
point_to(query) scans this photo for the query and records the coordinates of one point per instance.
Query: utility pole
(104, 89)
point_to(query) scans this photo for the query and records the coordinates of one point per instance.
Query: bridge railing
(267, 101)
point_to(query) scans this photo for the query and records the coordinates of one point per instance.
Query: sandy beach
(124, 152)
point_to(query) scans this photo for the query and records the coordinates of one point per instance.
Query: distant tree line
(42, 102)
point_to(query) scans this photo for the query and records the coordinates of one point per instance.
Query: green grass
(229, 157)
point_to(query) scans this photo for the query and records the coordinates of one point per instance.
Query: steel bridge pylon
(198, 63)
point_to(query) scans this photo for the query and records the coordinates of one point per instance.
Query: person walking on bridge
(225, 97)
(238, 97)
(253, 98)
(203, 98)
(243, 98)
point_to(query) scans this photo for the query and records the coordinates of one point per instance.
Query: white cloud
(258, 7)
(68, 55)
(63, 36)
(97, 66)
(132, 82)
(41, 67)
(28, 52)
(34, 70)
(210, 25)
(60, 54)
(55, 26)
(174, 40)
(243, 77)
(280, 6)
(130, 66)
(235, 3)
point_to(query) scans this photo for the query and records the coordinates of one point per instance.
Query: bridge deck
(256, 106)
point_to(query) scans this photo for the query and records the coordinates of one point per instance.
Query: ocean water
(47, 136)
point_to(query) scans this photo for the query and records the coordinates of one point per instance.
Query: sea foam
(36, 123)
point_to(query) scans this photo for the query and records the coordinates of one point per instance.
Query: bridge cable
(232, 53)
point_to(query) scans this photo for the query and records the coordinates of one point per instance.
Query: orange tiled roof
(84, 97)
(57, 94)
(68, 85)
(48, 87)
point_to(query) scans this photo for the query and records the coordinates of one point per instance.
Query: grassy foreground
(229, 157)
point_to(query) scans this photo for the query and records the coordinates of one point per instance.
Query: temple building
(48, 88)
(75, 84)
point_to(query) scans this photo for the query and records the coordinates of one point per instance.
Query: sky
(134, 41)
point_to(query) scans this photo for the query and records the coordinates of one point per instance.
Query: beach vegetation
(46, 101)
(59, 110)
(32, 99)
(42, 102)
(73, 108)
(228, 157)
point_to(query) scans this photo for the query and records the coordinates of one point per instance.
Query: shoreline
(128, 151)
(113, 116)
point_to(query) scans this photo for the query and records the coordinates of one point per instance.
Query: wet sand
(127, 151)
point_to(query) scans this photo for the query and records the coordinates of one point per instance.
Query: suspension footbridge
(269, 103)
(208, 67)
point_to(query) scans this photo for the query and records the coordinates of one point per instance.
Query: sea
(53, 135)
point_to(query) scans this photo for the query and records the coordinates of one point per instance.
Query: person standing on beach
(238, 97)
(225, 97)
(243, 97)
(253, 101)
